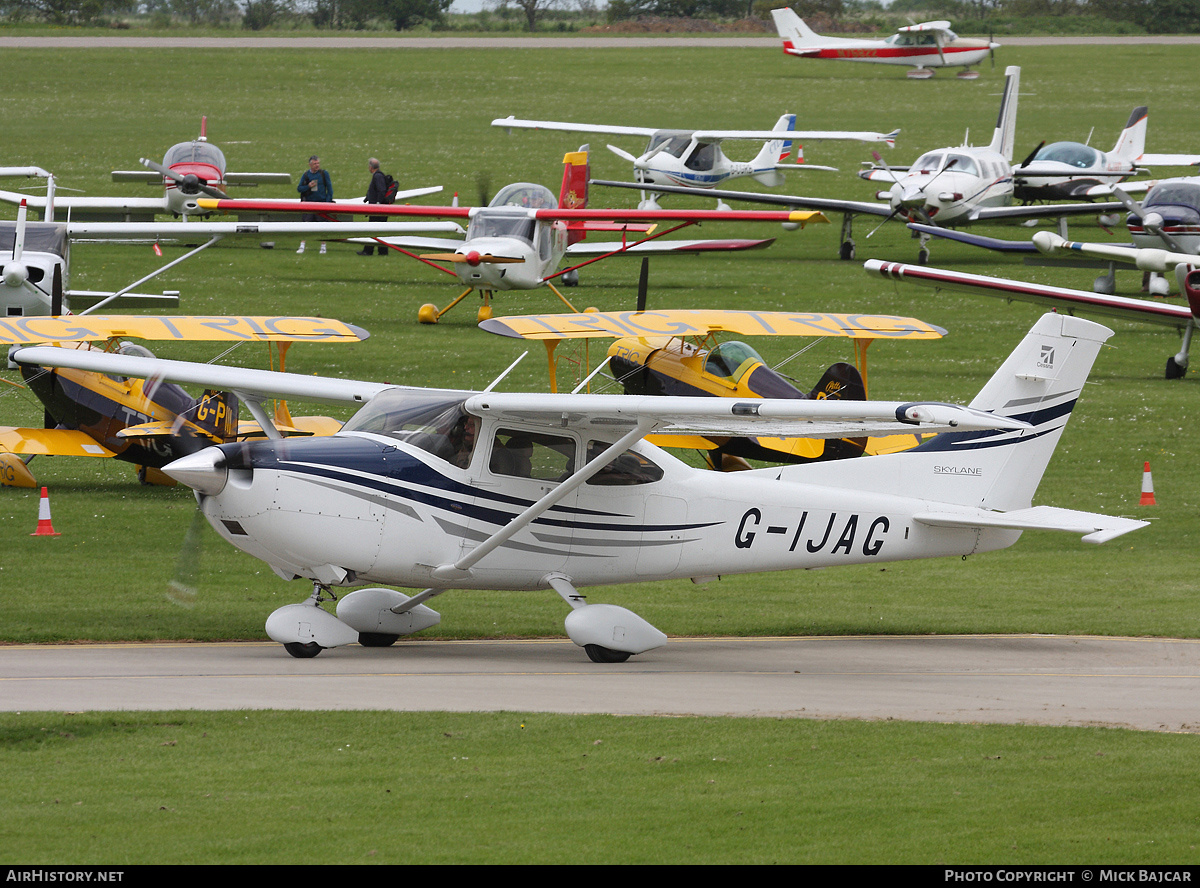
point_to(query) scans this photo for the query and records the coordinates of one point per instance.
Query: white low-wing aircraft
(438, 489)
(944, 188)
(1077, 171)
(1142, 311)
(921, 46)
(694, 157)
(188, 172)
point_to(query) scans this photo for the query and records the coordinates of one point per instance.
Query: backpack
(390, 189)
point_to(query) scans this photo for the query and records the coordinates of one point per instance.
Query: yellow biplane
(679, 352)
(147, 422)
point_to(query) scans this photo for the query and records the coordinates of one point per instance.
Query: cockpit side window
(533, 455)
(627, 469)
(702, 158)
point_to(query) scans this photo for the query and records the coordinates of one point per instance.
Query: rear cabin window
(628, 468)
(533, 455)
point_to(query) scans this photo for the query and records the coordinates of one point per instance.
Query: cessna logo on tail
(1047, 358)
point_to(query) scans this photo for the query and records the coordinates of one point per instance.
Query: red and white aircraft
(923, 47)
(1178, 317)
(518, 241)
(188, 172)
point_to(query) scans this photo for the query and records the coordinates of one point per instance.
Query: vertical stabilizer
(792, 28)
(1039, 383)
(1006, 122)
(774, 152)
(1132, 143)
(574, 192)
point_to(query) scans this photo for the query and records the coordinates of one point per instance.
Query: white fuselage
(945, 186)
(534, 249)
(367, 508)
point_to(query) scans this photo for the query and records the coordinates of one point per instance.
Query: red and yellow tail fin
(574, 192)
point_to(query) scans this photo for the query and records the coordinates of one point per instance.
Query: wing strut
(500, 537)
(170, 264)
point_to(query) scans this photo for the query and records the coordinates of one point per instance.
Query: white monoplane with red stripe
(518, 241)
(922, 46)
(1178, 317)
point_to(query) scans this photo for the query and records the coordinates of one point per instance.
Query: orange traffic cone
(44, 527)
(1147, 487)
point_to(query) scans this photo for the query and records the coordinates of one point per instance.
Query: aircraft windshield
(501, 225)
(195, 152)
(927, 163)
(526, 196)
(1178, 194)
(1071, 154)
(40, 237)
(676, 143)
(731, 360)
(963, 164)
(433, 421)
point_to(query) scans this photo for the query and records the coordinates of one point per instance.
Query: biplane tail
(841, 382)
(1131, 144)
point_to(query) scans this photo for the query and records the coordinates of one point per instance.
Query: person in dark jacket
(315, 185)
(376, 194)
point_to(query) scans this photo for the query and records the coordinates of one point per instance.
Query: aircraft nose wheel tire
(376, 639)
(1174, 371)
(923, 257)
(302, 651)
(598, 654)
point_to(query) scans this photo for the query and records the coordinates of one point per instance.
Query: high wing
(80, 328)
(159, 231)
(873, 208)
(981, 214)
(115, 204)
(701, 323)
(658, 247)
(663, 415)
(510, 123)
(549, 215)
(1140, 310)
(248, 383)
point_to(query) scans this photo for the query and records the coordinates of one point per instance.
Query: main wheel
(598, 654)
(1174, 371)
(847, 251)
(376, 639)
(302, 651)
(922, 256)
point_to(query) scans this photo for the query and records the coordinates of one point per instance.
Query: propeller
(472, 257)
(16, 273)
(189, 184)
(1032, 154)
(1151, 221)
(643, 284)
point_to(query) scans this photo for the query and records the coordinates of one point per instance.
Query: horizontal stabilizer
(1094, 527)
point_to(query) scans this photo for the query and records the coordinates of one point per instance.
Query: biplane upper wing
(85, 328)
(701, 323)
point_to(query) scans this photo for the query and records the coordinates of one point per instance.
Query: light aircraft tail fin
(792, 29)
(1006, 122)
(574, 192)
(576, 171)
(1131, 144)
(774, 152)
(1038, 383)
(841, 382)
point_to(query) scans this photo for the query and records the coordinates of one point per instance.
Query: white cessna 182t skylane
(438, 489)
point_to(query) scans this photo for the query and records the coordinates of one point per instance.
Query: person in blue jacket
(315, 185)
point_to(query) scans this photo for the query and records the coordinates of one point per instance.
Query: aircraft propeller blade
(1032, 154)
(643, 284)
(182, 587)
(623, 154)
(471, 258)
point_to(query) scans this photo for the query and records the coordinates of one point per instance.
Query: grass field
(425, 113)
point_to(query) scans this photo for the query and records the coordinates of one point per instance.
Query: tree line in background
(1004, 16)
